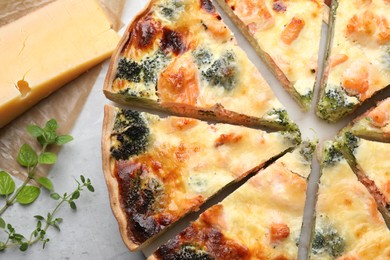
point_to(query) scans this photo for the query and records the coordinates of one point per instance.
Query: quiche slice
(178, 55)
(375, 123)
(260, 220)
(159, 169)
(357, 62)
(371, 162)
(286, 35)
(348, 224)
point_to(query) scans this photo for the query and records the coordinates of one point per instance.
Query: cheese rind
(48, 48)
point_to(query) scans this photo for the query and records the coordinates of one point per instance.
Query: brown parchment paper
(64, 105)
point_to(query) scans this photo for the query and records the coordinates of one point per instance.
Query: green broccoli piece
(334, 104)
(327, 240)
(331, 155)
(222, 72)
(129, 70)
(202, 56)
(131, 132)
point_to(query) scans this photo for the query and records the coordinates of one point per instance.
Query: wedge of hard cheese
(48, 48)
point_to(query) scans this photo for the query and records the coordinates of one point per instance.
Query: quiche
(375, 123)
(159, 169)
(370, 160)
(179, 56)
(357, 62)
(286, 35)
(260, 220)
(348, 224)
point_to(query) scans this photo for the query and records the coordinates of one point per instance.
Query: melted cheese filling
(202, 30)
(297, 60)
(194, 160)
(352, 50)
(344, 203)
(373, 158)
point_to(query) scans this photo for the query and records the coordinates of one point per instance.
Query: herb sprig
(44, 223)
(31, 159)
(26, 194)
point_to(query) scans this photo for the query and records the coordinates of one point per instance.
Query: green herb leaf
(51, 125)
(63, 139)
(55, 196)
(47, 158)
(90, 188)
(35, 130)
(2, 246)
(39, 217)
(2, 223)
(82, 178)
(28, 194)
(72, 205)
(46, 183)
(23, 247)
(75, 195)
(7, 184)
(27, 156)
(18, 237)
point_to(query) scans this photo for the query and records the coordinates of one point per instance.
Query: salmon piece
(360, 27)
(184, 123)
(292, 30)
(227, 139)
(337, 59)
(278, 232)
(255, 15)
(178, 83)
(355, 80)
(379, 117)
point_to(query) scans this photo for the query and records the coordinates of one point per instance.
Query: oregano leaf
(47, 158)
(90, 188)
(27, 156)
(46, 183)
(28, 194)
(72, 205)
(63, 139)
(55, 196)
(51, 125)
(23, 247)
(2, 223)
(7, 184)
(75, 195)
(35, 130)
(39, 217)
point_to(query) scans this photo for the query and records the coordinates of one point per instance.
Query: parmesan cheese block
(260, 220)
(348, 224)
(48, 48)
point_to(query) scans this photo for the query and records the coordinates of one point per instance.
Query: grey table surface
(92, 232)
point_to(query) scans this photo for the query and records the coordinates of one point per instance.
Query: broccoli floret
(151, 66)
(386, 58)
(192, 252)
(351, 141)
(293, 136)
(132, 134)
(172, 9)
(129, 70)
(306, 99)
(202, 56)
(331, 155)
(307, 150)
(146, 70)
(222, 72)
(279, 116)
(327, 240)
(334, 104)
